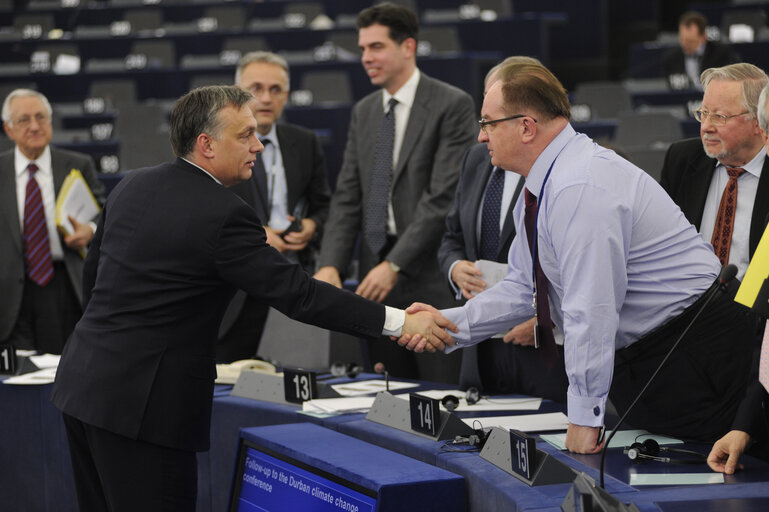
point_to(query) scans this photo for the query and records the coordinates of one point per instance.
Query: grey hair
(763, 122)
(198, 112)
(21, 93)
(753, 80)
(267, 58)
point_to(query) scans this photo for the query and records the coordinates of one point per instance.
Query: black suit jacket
(461, 240)
(11, 249)
(716, 55)
(686, 175)
(172, 247)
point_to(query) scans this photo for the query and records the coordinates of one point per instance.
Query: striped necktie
(37, 248)
(722, 232)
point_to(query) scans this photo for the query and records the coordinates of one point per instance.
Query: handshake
(425, 329)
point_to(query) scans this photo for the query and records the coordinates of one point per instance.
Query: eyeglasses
(716, 119)
(483, 123)
(259, 89)
(25, 120)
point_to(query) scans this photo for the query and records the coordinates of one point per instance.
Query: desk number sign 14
(425, 412)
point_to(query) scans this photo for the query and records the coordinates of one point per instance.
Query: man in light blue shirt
(624, 269)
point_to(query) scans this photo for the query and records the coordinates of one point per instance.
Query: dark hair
(693, 18)
(198, 112)
(530, 85)
(401, 21)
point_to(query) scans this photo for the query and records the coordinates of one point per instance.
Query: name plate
(299, 385)
(7, 359)
(523, 451)
(425, 414)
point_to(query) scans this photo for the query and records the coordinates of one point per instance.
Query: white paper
(45, 361)
(491, 271)
(78, 203)
(37, 378)
(621, 439)
(484, 404)
(365, 387)
(524, 422)
(339, 405)
(676, 478)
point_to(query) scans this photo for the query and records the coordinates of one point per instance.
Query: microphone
(380, 368)
(724, 277)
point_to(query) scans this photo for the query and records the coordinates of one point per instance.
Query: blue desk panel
(401, 482)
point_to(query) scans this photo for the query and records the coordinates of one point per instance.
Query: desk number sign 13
(299, 385)
(523, 450)
(7, 359)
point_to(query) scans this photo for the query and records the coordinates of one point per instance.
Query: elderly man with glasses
(706, 177)
(41, 271)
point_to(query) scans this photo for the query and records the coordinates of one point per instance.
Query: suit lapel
(291, 166)
(369, 119)
(417, 118)
(9, 210)
(483, 170)
(508, 228)
(699, 174)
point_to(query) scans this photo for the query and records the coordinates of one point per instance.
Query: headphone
(650, 450)
(451, 402)
(473, 442)
(351, 370)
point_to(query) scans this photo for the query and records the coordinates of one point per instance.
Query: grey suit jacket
(12, 250)
(440, 128)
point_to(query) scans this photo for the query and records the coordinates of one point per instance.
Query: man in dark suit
(696, 172)
(400, 168)
(136, 378)
(684, 64)
(39, 307)
(289, 182)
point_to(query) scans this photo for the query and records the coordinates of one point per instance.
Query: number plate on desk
(7, 359)
(299, 385)
(523, 452)
(425, 414)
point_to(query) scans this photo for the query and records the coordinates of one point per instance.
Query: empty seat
(310, 10)
(647, 130)
(245, 44)
(327, 86)
(502, 8)
(753, 18)
(607, 100)
(144, 19)
(211, 79)
(160, 54)
(228, 17)
(433, 40)
(649, 159)
(118, 92)
(143, 133)
(33, 26)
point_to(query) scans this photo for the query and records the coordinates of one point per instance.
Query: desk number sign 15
(299, 385)
(425, 413)
(523, 450)
(7, 359)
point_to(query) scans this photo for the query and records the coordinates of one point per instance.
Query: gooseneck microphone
(727, 274)
(380, 368)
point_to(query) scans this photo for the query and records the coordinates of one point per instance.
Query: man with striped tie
(41, 271)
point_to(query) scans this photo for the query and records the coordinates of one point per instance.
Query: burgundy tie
(547, 339)
(722, 232)
(37, 249)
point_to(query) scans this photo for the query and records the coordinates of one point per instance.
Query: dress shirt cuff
(461, 338)
(587, 411)
(457, 291)
(394, 320)
(93, 227)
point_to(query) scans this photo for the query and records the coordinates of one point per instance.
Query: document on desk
(38, 378)
(338, 405)
(45, 360)
(365, 387)
(676, 478)
(524, 422)
(621, 439)
(484, 404)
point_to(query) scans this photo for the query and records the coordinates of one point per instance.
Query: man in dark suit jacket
(433, 126)
(136, 378)
(683, 64)
(34, 315)
(498, 366)
(292, 183)
(695, 174)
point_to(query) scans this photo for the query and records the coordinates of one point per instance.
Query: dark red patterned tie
(722, 232)
(549, 352)
(37, 249)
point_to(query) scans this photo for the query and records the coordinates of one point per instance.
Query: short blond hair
(753, 81)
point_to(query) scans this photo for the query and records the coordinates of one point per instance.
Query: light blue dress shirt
(620, 258)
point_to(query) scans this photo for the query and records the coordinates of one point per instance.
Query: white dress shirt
(277, 186)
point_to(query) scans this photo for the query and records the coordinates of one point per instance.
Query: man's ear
(528, 130)
(204, 144)
(410, 46)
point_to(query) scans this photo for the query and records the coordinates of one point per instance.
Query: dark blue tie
(492, 204)
(375, 225)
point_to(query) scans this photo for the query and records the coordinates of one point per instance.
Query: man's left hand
(726, 452)
(81, 237)
(581, 439)
(378, 282)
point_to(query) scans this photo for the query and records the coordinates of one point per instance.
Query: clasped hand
(425, 329)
